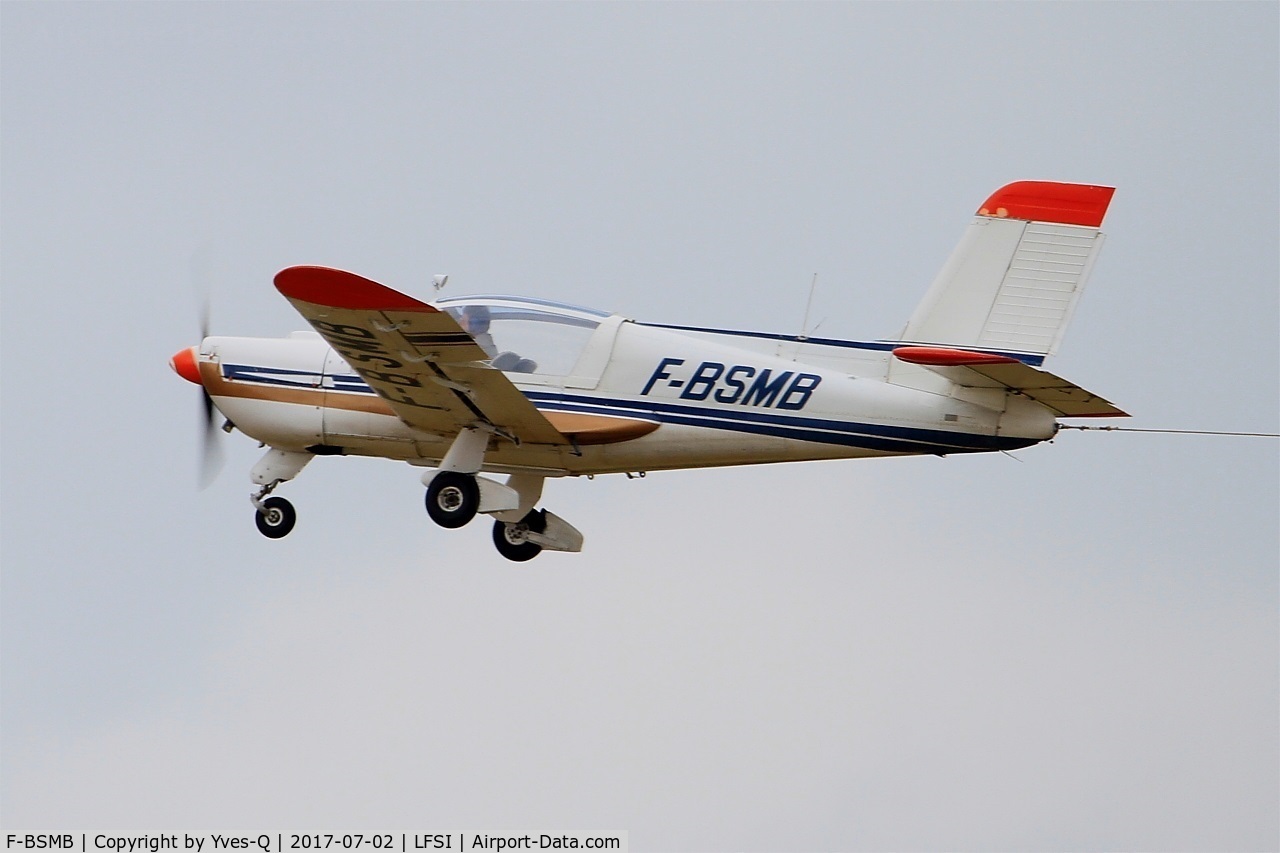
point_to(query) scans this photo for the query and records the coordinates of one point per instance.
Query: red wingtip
(1046, 201)
(340, 289)
(945, 357)
(186, 365)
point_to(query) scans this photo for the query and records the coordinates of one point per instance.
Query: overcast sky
(1077, 649)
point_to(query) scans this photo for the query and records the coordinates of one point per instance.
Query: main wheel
(452, 499)
(276, 518)
(512, 539)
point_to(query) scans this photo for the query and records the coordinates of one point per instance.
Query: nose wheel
(275, 518)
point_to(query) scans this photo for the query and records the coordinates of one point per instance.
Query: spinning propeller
(186, 363)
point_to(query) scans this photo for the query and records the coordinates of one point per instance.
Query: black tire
(509, 538)
(276, 518)
(452, 499)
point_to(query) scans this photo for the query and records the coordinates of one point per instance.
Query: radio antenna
(804, 324)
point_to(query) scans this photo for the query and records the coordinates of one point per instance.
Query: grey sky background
(1077, 650)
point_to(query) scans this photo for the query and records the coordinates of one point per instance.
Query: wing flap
(416, 357)
(988, 370)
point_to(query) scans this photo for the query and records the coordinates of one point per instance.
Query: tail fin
(1012, 284)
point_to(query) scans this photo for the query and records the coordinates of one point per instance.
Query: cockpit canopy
(526, 335)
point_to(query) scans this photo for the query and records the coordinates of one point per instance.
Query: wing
(413, 355)
(987, 370)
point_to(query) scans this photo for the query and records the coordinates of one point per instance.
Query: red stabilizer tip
(184, 364)
(1045, 201)
(339, 289)
(943, 357)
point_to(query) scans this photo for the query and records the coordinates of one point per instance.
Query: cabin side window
(526, 340)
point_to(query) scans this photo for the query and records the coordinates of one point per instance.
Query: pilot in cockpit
(475, 321)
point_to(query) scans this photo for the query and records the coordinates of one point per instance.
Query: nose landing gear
(275, 517)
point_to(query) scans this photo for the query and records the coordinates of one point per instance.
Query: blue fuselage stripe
(845, 433)
(893, 439)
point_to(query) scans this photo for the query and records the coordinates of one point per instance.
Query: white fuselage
(716, 398)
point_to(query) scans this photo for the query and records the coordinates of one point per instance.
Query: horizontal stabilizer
(988, 370)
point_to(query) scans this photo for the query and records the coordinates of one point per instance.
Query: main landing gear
(456, 492)
(520, 532)
(453, 499)
(512, 538)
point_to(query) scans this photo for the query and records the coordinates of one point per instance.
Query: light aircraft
(470, 387)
